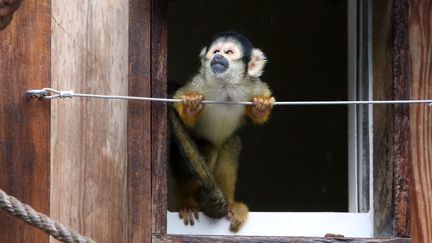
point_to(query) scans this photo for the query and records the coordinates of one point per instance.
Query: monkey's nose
(219, 64)
(218, 57)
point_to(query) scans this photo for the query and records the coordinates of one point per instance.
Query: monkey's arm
(190, 109)
(259, 113)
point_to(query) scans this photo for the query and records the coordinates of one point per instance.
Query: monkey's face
(224, 60)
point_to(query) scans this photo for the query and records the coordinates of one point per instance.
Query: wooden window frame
(25, 137)
(395, 119)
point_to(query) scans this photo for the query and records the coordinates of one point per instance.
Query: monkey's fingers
(193, 102)
(263, 103)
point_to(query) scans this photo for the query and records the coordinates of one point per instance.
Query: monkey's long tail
(213, 202)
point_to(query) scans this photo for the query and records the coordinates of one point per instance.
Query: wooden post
(25, 124)
(89, 136)
(420, 39)
(139, 124)
(159, 115)
(383, 119)
(401, 152)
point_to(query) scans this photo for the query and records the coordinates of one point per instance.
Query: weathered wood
(401, 120)
(197, 239)
(159, 114)
(139, 124)
(89, 147)
(25, 124)
(383, 118)
(420, 41)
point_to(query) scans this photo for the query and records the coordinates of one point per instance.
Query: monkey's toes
(230, 213)
(188, 215)
(238, 214)
(235, 225)
(236, 222)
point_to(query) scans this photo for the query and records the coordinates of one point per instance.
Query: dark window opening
(298, 162)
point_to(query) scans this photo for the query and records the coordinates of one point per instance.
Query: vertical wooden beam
(383, 118)
(420, 40)
(401, 121)
(159, 114)
(392, 156)
(89, 136)
(25, 124)
(139, 124)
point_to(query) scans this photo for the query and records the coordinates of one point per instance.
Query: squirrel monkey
(205, 134)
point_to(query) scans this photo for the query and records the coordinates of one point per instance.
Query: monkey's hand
(237, 213)
(188, 215)
(190, 107)
(259, 112)
(192, 102)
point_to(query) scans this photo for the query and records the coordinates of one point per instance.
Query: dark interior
(299, 160)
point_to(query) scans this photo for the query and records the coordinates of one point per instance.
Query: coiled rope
(29, 215)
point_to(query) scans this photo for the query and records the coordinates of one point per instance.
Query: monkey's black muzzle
(219, 64)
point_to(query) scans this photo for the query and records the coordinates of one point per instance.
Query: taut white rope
(49, 93)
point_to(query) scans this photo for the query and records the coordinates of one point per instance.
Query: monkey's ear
(203, 52)
(256, 63)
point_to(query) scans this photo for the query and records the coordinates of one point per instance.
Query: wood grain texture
(256, 239)
(401, 120)
(383, 118)
(25, 124)
(139, 124)
(420, 41)
(159, 114)
(88, 142)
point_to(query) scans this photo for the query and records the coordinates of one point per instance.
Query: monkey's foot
(188, 215)
(237, 213)
(192, 102)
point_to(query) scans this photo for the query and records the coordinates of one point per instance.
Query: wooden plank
(159, 114)
(420, 36)
(25, 124)
(89, 136)
(383, 119)
(401, 120)
(139, 124)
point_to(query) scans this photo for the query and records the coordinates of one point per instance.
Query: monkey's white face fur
(231, 53)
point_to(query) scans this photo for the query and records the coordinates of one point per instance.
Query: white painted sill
(279, 224)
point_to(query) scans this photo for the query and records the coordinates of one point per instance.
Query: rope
(39, 220)
(49, 93)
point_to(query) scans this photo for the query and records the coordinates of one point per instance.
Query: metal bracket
(48, 93)
(36, 93)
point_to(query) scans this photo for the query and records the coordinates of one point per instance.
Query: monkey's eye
(216, 51)
(229, 52)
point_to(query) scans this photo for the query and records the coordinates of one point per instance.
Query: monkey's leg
(226, 175)
(186, 191)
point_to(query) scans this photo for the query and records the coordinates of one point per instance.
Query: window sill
(279, 224)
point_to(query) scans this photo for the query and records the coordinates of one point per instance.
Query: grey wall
(298, 161)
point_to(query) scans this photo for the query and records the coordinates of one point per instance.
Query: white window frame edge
(310, 224)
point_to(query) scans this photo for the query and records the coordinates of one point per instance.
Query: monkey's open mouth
(219, 65)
